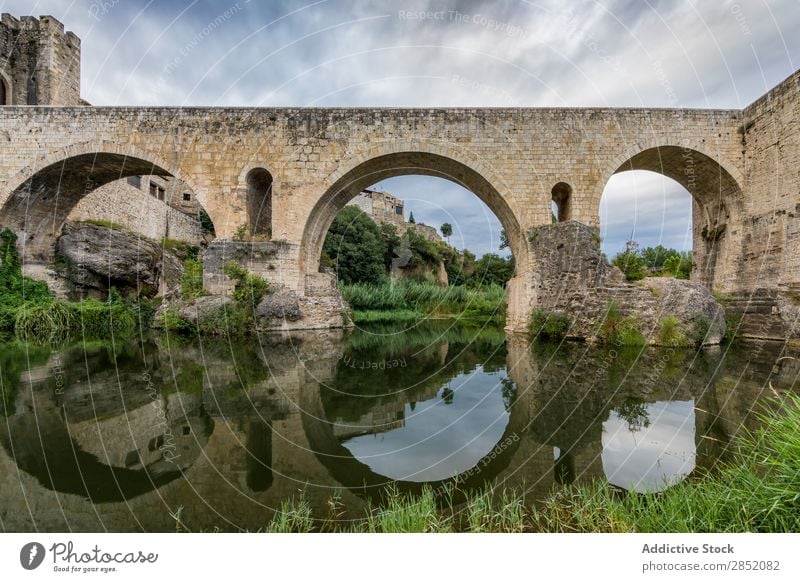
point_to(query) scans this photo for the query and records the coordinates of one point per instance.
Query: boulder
(573, 277)
(94, 258)
(685, 300)
(204, 307)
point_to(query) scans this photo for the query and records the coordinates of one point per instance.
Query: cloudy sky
(462, 53)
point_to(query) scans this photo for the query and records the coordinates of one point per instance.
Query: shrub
(549, 325)
(247, 288)
(618, 330)
(732, 320)
(670, 333)
(192, 279)
(701, 325)
(631, 265)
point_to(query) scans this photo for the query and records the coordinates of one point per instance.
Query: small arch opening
(3, 93)
(259, 202)
(561, 202)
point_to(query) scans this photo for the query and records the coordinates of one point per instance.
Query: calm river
(126, 436)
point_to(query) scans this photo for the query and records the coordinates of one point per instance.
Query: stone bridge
(285, 172)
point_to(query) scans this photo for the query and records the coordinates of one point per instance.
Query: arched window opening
(259, 202)
(3, 93)
(562, 198)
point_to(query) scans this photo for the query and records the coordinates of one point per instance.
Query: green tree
(492, 269)
(655, 257)
(460, 265)
(447, 230)
(391, 242)
(630, 262)
(355, 247)
(679, 265)
(504, 244)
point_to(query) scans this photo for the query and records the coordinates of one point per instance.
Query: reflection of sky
(439, 440)
(654, 457)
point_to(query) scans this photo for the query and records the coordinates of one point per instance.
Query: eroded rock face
(204, 308)
(278, 305)
(95, 258)
(575, 278)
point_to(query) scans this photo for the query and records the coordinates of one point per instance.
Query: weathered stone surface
(279, 305)
(573, 277)
(271, 260)
(685, 300)
(746, 217)
(95, 258)
(204, 307)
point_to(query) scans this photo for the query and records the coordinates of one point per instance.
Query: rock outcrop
(94, 258)
(573, 277)
(203, 308)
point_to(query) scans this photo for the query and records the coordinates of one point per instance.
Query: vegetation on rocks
(549, 325)
(30, 310)
(619, 330)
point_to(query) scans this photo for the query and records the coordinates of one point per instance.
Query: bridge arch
(717, 195)
(399, 159)
(37, 200)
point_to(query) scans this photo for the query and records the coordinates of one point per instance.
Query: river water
(130, 436)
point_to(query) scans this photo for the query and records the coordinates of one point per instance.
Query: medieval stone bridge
(284, 173)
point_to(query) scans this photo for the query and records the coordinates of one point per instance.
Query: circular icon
(31, 555)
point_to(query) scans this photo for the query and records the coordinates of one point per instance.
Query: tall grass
(399, 299)
(58, 321)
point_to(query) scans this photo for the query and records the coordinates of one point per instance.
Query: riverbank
(754, 491)
(395, 301)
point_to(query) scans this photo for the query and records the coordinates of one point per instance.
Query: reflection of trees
(379, 366)
(509, 391)
(634, 412)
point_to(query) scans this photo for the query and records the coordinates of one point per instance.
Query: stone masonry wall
(40, 63)
(128, 206)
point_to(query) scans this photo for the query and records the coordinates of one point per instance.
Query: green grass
(399, 299)
(670, 333)
(618, 330)
(192, 279)
(372, 316)
(29, 309)
(755, 491)
(105, 223)
(59, 321)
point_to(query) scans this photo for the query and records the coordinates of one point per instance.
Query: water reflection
(433, 439)
(121, 437)
(650, 447)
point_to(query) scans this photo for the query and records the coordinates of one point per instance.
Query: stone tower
(40, 64)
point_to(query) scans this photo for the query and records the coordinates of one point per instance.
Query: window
(135, 181)
(187, 197)
(2, 92)
(161, 193)
(153, 190)
(398, 210)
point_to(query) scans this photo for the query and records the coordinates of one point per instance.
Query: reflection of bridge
(286, 172)
(247, 450)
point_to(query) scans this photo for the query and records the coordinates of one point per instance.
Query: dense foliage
(636, 264)
(360, 251)
(29, 309)
(355, 247)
